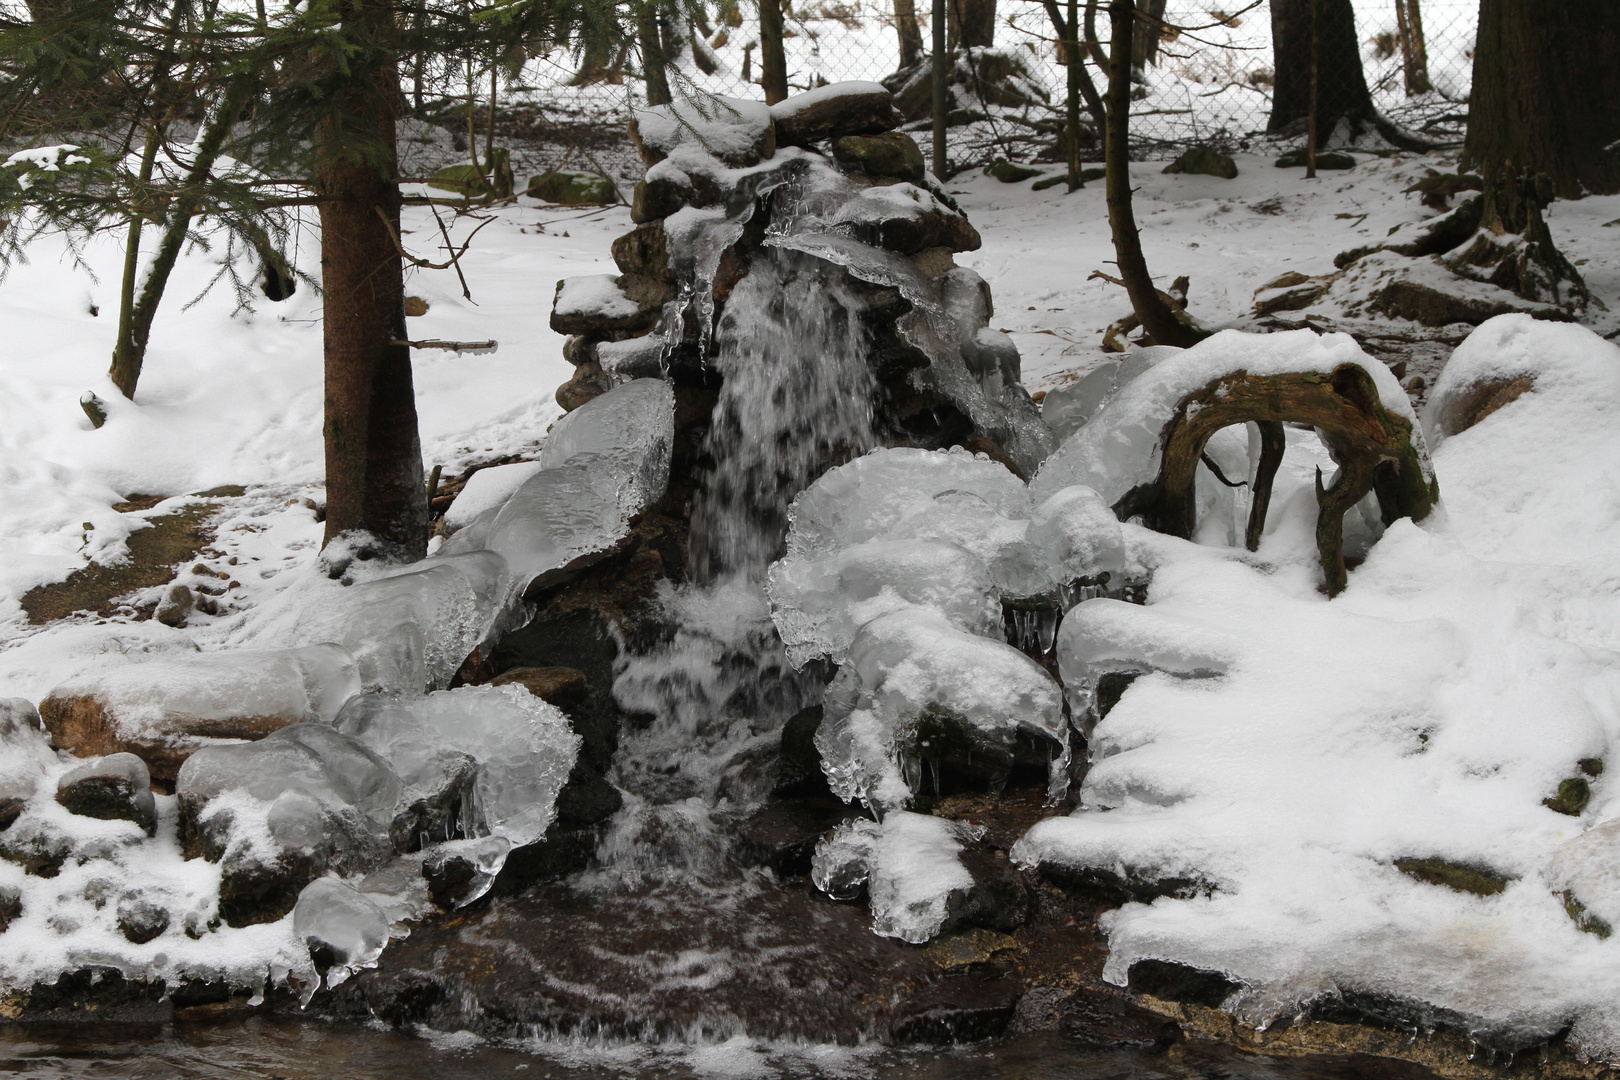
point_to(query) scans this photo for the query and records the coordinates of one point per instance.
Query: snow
(486, 489)
(909, 863)
(1426, 713)
(797, 103)
(596, 296)
(729, 128)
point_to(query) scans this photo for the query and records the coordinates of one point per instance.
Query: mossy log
(1372, 446)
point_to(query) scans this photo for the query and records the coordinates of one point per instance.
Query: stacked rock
(825, 173)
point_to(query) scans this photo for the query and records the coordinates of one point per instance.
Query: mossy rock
(465, 179)
(1325, 159)
(572, 189)
(1008, 173)
(892, 154)
(1573, 795)
(1591, 766)
(1461, 877)
(1587, 922)
(1203, 161)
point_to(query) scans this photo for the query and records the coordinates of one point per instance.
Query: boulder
(845, 108)
(586, 799)
(1291, 291)
(907, 219)
(1170, 981)
(739, 133)
(141, 920)
(572, 189)
(175, 606)
(1098, 1020)
(114, 788)
(655, 198)
(893, 155)
(580, 349)
(1204, 161)
(164, 710)
(588, 383)
(561, 686)
(595, 304)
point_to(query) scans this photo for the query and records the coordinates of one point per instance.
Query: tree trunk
(1155, 315)
(1414, 50)
(374, 494)
(1546, 94)
(972, 23)
(772, 58)
(1342, 93)
(652, 54)
(1149, 32)
(910, 31)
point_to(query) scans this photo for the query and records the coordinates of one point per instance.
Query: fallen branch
(452, 346)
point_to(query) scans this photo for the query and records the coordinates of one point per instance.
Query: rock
(462, 871)
(175, 606)
(845, 108)
(655, 198)
(1463, 407)
(561, 686)
(1430, 236)
(587, 798)
(1009, 173)
(580, 349)
(957, 951)
(1204, 161)
(783, 836)
(164, 710)
(1572, 797)
(906, 219)
(114, 788)
(415, 307)
(1170, 981)
(1405, 298)
(799, 765)
(10, 905)
(572, 189)
(11, 809)
(596, 304)
(464, 179)
(1291, 291)
(588, 383)
(1459, 877)
(894, 154)
(957, 1009)
(1325, 159)
(978, 77)
(140, 921)
(998, 900)
(341, 925)
(739, 133)
(635, 358)
(1097, 1020)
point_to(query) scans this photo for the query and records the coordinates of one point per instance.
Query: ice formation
(485, 489)
(336, 917)
(1284, 812)
(909, 865)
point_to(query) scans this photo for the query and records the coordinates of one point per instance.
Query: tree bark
(1342, 93)
(772, 57)
(909, 30)
(1546, 96)
(374, 493)
(972, 24)
(652, 54)
(1414, 50)
(1155, 315)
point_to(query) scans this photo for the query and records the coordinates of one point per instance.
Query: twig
(452, 346)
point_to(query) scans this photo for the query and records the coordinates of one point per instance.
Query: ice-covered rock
(594, 303)
(819, 604)
(913, 664)
(462, 871)
(486, 489)
(24, 752)
(1076, 536)
(998, 540)
(842, 108)
(735, 131)
(624, 437)
(345, 925)
(166, 708)
(117, 787)
(523, 748)
(910, 864)
(632, 358)
(1585, 871)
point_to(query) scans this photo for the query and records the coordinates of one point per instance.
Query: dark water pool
(273, 1048)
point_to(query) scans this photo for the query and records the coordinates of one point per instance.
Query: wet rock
(957, 951)
(1096, 1020)
(175, 606)
(644, 250)
(1325, 159)
(587, 798)
(999, 899)
(783, 836)
(435, 801)
(799, 764)
(114, 788)
(102, 993)
(893, 154)
(11, 809)
(1204, 161)
(588, 383)
(909, 231)
(1171, 981)
(956, 1009)
(564, 850)
(1010, 173)
(1460, 877)
(656, 198)
(140, 921)
(848, 108)
(1115, 885)
(572, 189)
(563, 687)
(582, 639)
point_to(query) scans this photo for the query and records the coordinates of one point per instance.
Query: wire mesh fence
(1225, 78)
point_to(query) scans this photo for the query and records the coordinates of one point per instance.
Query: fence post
(772, 59)
(940, 70)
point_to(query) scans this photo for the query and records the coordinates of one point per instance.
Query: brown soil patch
(153, 554)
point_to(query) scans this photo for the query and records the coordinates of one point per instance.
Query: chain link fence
(1207, 76)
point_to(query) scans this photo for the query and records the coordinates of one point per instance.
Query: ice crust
(335, 916)
(910, 864)
(1426, 713)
